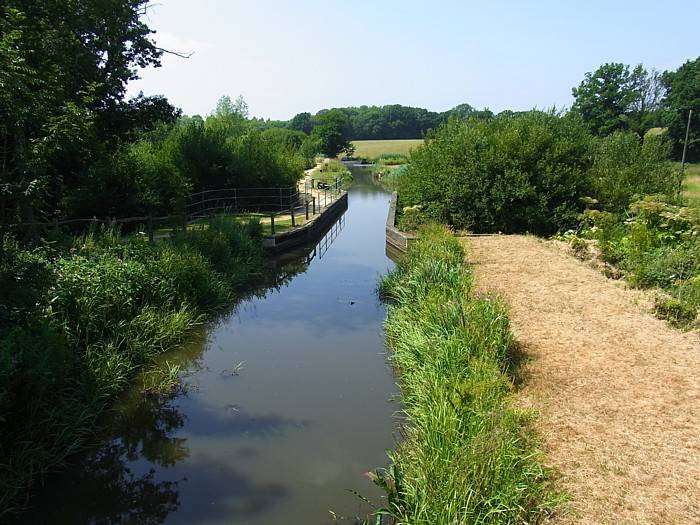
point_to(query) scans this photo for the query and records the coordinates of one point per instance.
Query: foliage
(302, 122)
(658, 246)
(511, 174)
(61, 92)
(683, 94)
(626, 167)
(331, 133)
(468, 456)
(615, 97)
(391, 122)
(411, 219)
(78, 323)
(331, 170)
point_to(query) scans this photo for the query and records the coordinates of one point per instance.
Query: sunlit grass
(373, 149)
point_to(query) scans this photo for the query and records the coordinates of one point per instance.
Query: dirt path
(617, 391)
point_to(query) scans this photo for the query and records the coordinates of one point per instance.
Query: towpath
(617, 390)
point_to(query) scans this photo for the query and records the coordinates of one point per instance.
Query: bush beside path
(617, 390)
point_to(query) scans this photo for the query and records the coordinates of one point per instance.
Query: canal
(287, 402)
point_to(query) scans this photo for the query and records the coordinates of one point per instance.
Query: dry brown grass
(618, 391)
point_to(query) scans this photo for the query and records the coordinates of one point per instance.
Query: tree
(302, 122)
(615, 97)
(514, 174)
(64, 66)
(331, 132)
(682, 95)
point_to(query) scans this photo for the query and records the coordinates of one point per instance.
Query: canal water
(287, 403)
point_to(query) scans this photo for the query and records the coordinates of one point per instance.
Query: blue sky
(304, 55)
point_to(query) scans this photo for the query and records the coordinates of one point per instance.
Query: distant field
(692, 181)
(371, 149)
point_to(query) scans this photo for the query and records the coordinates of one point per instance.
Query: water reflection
(109, 485)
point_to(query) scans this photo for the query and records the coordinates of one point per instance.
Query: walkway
(617, 391)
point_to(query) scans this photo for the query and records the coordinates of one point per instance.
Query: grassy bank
(330, 170)
(80, 316)
(468, 455)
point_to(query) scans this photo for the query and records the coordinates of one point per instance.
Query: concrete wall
(309, 232)
(396, 240)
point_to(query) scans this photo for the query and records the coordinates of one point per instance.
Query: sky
(287, 57)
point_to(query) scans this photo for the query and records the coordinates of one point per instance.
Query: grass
(468, 455)
(691, 185)
(282, 222)
(373, 149)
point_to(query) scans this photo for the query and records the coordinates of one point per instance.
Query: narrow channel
(287, 405)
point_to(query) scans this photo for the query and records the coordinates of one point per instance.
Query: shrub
(412, 218)
(626, 167)
(510, 174)
(675, 311)
(658, 245)
(25, 277)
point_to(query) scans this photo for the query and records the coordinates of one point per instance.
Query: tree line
(614, 97)
(619, 97)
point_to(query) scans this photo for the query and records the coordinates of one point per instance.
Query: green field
(692, 182)
(371, 149)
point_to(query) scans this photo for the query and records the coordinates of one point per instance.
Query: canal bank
(287, 402)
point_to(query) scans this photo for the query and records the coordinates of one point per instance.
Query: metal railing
(305, 200)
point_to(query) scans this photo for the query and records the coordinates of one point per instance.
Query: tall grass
(468, 455)
(87, 319)
(392, 159)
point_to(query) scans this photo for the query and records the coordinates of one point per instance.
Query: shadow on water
(281, 442)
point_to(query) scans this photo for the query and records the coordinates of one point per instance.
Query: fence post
(313, 205)
(272, 223)
(291, 212)
(307, 210)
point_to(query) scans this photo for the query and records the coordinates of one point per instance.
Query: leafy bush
(412, 218)
(675, 311)
(24, 279)
(626, 167)
(658, 245)
(510, 174)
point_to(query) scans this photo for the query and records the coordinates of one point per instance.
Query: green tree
(511, 174)
(615, 97)
(682, 95)
(331, 132)
(302, 122)
(64, 66)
